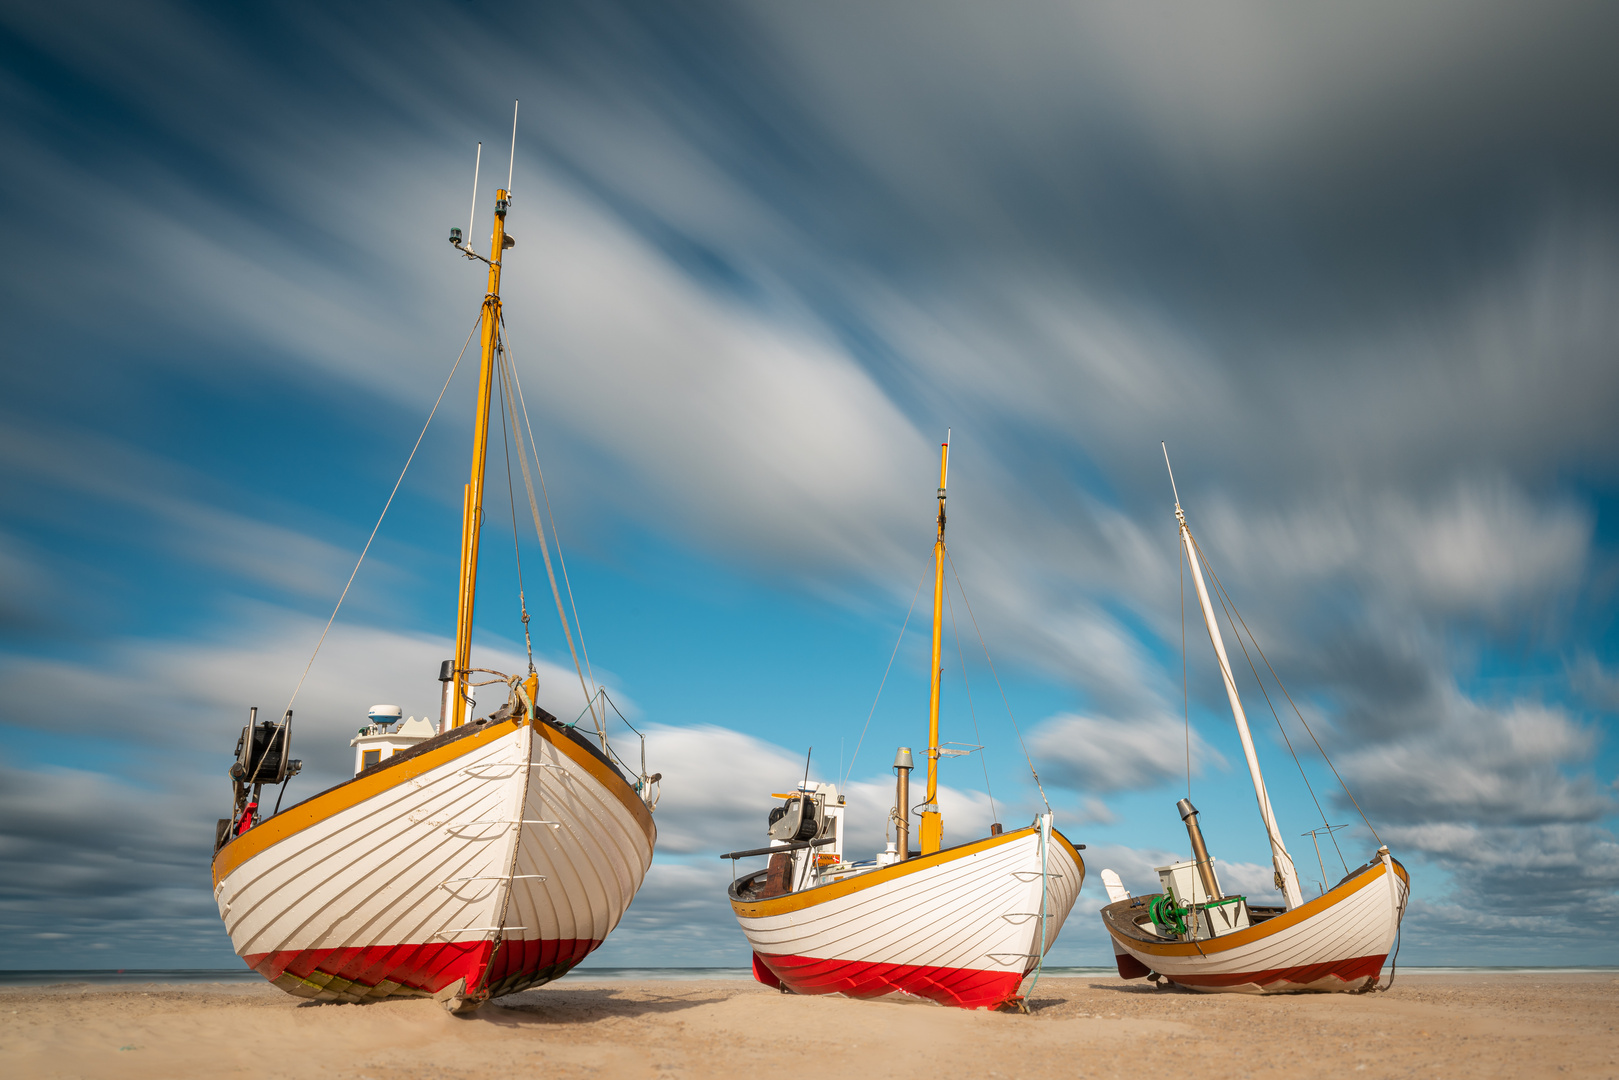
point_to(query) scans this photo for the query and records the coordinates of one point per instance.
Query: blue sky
(1357, 268)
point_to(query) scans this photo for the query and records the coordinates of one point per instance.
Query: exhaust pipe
(446, 676)
(1200, 851)
(902, 802)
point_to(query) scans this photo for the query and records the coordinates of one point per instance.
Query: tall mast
(932, 832)
(1287, 878)
(472, 497)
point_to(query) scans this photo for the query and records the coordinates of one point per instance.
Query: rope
(1399, 934)
(983, 753)
(884, 683)
(1045, 880)
(1324, 755)
(380, 516)
(1226, 600)
(545, 496)
(1015, 730)
(545, 550)
(511, 499)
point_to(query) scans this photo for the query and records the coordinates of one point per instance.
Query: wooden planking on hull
(369, 900)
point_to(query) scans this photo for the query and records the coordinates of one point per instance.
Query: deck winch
(1192, 904)
(263, 756)
(799, 818)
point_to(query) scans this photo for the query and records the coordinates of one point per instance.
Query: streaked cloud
(1093, 753)
(1355, 268)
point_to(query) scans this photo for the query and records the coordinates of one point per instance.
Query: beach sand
(1507, 1025)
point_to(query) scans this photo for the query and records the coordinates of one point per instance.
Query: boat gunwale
(832, 890)
(416, 761)
(1123, 930)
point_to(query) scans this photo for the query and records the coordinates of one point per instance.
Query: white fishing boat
(961, 925)
(464, 860)
(1194, 934)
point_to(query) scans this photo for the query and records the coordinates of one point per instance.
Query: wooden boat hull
(960, 926)
(441, 872)
(1336, 942)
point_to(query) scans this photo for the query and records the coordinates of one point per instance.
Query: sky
(1358, 266)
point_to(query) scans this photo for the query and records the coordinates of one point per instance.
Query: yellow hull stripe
(1265, 929)
(820, 894)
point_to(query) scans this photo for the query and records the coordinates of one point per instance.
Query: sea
(180, 976)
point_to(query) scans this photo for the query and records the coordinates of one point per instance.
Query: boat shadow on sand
(585, 1006)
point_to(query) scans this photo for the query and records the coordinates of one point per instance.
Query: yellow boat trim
(335, 800)
(820, 894)
(1262, 930)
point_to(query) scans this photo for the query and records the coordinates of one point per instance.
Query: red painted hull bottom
(965, 988)
(1359, 969)
(373, 972)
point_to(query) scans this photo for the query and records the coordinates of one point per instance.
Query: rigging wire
(608, 702)
(511, 499)
(545, 495)
(983, 753)
(431, 412)
(1015, 729)
(884, 683)
(1228, 606)
(545, 550)
(1324, 755)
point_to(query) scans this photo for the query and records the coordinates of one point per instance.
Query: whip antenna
(513, 160)
(1171, 469)
(472, 214)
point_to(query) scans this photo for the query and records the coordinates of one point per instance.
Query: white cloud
(755, 435)
(1477, 765)
(1104, 754)
(1479, 547)
(193, 695)
(718, 785)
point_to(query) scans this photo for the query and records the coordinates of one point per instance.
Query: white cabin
(386, 736)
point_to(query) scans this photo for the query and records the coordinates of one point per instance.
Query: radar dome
(385, 714)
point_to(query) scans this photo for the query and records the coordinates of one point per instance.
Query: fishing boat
(1194, 934)
(960, 925)
(465, 860)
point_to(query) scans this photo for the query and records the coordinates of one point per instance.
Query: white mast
(1287, 878)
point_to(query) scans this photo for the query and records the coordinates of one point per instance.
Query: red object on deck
(964, 988)
(247, 818)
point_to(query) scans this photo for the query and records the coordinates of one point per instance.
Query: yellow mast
(931, 835)
(472, 497)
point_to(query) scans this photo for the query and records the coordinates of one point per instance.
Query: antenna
(513, 160)
(1171, 469)
(472, 214)
(946, 476)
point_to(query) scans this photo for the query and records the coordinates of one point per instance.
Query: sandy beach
(1504, 1025)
